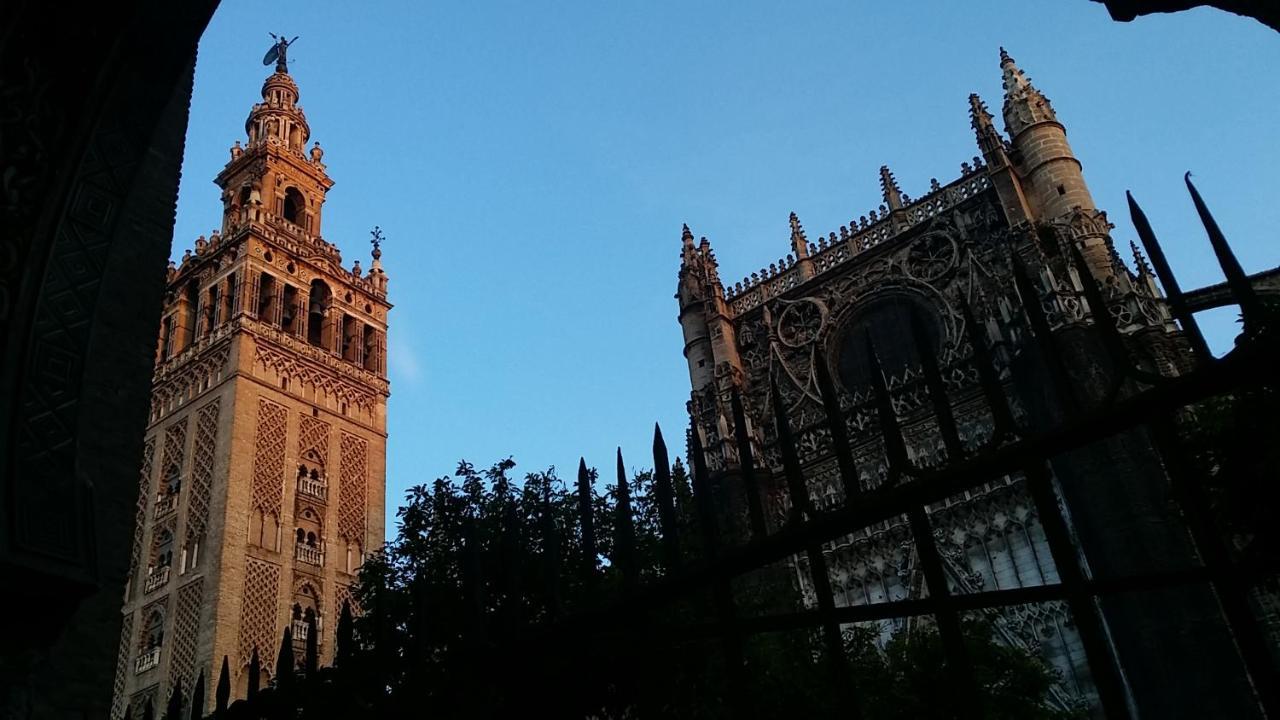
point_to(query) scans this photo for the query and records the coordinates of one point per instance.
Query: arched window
(153, 634)
(317, 311)
(886, 320)
(294, 206)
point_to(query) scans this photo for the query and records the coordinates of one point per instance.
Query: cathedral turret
(996, 155)
(709, 338)
(1051, 174)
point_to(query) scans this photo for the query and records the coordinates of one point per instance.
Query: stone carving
(122, 665)
(289, 365)
(178, 379)
(268, 458)
(258, 611)
(313, 438)
(186, 630)
(341, 595)
(351, 496)
(175, 445)
(140, 512)
(202, 458)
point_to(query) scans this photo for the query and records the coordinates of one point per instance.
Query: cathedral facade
(261, 486)
(895, 280)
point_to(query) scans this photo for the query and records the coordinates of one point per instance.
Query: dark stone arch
(97, 103)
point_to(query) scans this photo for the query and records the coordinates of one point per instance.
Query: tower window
(1062, 189)
(351, 341)
(294, 206)
(371, 349)
(317, 311)
(288, 311)
(189, 316)
(266, 297)
(229, 306)
(211, 310)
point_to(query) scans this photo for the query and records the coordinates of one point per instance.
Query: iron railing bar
(747, 464)
(1231, 591)
(836, 427)
(981, 600)
(1066, 559)
(1237, 281)
(997, 401)
(935, 486)
(937, 392)
(1172, 291)
(935, 576)
(1042, 336)
(721, 589)
(801, 506)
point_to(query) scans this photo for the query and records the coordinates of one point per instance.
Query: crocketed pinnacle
(1024, 105)
(889, 187)
(799, 243)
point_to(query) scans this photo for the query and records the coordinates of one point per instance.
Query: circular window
(347, 297)
(289, 267)
(886, 320)
(368, 308)
(267, 256)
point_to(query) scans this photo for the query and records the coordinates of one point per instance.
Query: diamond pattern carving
(122, 666)
(258, 611)
(351, 498)
(268, 457)
(140, 513)
(313, 437)
(186, 629)
(202, 457)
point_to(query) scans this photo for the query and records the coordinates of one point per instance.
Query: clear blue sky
(531, 165)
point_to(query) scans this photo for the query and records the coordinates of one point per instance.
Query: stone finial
(356, 270)
(317, 153)
(798, 241)
(1024, 105)
(889, 186)
(1139, 260)
(686, 235)
(236, 151)
(979, 116)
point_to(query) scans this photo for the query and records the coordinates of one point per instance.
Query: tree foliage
(486, 604)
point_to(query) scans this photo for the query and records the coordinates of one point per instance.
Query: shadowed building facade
(895, 280)
(262, 481)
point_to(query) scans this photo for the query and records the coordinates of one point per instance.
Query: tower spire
(799, 243)
(1024, 105)
(889, 186)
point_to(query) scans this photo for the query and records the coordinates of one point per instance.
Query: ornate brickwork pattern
(342, 594)
(268, 457)
(313, 437)
(186, 630)
(122, 666)
(258, 611)
(202, 457)
(175, 442)
(351, 498)
(140, 514)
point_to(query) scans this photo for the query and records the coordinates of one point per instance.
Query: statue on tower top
(279, 53)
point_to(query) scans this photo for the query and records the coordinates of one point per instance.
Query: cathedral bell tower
(262, 482)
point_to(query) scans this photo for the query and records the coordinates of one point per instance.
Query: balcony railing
(158, 578)
(314, 488)
(147, 660)
(165, 504)
(309, 554)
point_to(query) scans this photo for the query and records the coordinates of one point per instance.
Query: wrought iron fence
(1149, 403)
